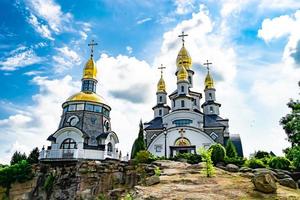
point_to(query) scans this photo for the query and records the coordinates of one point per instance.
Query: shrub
(293, 154)
(261, 154)
(206, 155)
(144, 157)
(191, 158)
(239, 161)
(230, 149)
(255, 163)
(217, 153)
(279, 163)
(19, 172)
(48, 185)
(157, 171)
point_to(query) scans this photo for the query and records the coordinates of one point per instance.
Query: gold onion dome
(184, 58)
(161, 85)
(182, 74)
(90, 69)
(85, 96)
(209, 82)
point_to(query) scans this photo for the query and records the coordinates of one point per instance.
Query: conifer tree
(139, 143)
(33, 157)
(230, 149)
(17, 157)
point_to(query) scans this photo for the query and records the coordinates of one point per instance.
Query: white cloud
(129, 49)
(42, 29)
(51, 12)
(142, 21)
(65, 59)
(20, 57)
(184, 6)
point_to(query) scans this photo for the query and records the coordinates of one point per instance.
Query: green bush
(230, 150)
(279, 163)
(293, 154)
(255, 163)
(239, 161)
(157, 171)
(217, 153)
(48, 185)
(19, 172)
(206, 155)
(144, 157)
(261, 154)
(191, 158)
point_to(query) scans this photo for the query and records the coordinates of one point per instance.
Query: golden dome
(182, 74)
(209, 82)
(161, 85)
(90, 69)
(84, 96)
(184, 58)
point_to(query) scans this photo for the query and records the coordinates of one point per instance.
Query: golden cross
(207, 64)
(182, 37)
(161, 68)
(91, 45)
(181, 131)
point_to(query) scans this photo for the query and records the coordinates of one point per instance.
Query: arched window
(68, 143)
(160, 112)
(160, 98)
(109, 147)
(211, 109)
(182, 88)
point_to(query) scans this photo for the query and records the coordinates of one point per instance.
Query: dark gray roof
(156, 123)
(236, 140)
(210, 103)
(213, 121)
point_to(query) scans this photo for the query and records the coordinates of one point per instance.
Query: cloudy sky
(254, 46)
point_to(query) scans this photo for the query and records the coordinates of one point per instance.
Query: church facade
(84, 130)
(187, 124)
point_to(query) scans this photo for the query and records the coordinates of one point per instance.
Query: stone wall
(81, 180)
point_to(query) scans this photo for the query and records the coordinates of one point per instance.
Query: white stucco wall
(197, 118)
(196, 137)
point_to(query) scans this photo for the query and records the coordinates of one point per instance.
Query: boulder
(152, 180)
(282, 175)
(247, 174)
(232, 168)
(245, 169)
(264, 182)
(288, 182)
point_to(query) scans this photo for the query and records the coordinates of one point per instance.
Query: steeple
(183, 57)
(161, 85)
(209, 82)
(90, 69)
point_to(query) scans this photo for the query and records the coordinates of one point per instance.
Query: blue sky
(253, 44)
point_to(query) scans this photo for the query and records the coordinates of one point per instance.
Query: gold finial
(90, 69)
(182, 74)
(161, 85)
(209, 82)
(91, 45)
(182, 37)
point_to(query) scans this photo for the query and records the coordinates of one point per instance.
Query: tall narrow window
(174, 103)
(182, 103)
(160, 98)
(182, 88)
(160, 112)
(211, 109)
(190, 79)
(210, 95)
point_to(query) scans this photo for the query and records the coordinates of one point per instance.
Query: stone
(232, 168)
(247, 175)
(152, 180)
(264, 182)
(245, 169)
(115, 194)
(197, 166)
(288, 182)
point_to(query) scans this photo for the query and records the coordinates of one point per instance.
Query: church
(84, 130)
(187, 124)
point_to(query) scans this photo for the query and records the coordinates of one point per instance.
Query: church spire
(183, 57)
(161, 85)
(209, 82)
(90, 69)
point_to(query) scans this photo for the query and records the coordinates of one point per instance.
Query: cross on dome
(207, 64)
(161, 68)
(182, 37)
(91, 45)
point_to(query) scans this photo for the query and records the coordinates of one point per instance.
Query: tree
(33, 157)
(139, 143)
(17, 157)
(291, 123)
(206, 156)
(261, 154)
(218, 153)
(230, 149)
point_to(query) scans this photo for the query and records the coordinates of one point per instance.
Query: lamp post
(165, 133)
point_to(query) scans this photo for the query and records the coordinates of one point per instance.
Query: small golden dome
(209, 82)
(161, 85)
(182, 74)
(84, 96)
(184, 58)
(90, 69)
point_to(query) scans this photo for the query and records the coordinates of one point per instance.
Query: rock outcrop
(264, 182)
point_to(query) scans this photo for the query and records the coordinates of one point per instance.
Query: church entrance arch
(182, 145)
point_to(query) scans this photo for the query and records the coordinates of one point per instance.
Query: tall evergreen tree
(230, 149)
(17, 157)
(33, 157)
(139, 143)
